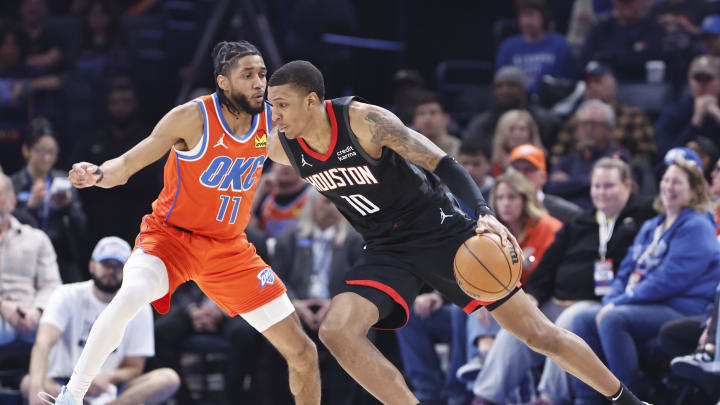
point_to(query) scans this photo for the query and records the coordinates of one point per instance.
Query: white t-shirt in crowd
(73, 308)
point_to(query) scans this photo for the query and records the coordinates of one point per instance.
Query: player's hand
(602, 312)
(83, 175)
(99, 384)
(488, 223)
(426, 304)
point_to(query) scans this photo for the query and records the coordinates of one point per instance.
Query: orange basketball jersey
(209, 189)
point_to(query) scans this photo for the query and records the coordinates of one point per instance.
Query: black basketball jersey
(379, 197)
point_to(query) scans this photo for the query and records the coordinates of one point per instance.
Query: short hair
(612, 163)
(473, 149)
(6, 185)
(532, 207)
(39, 128)
(422, 97)
(701, 202)
(301, 74)
(599, 105)
(539, 5)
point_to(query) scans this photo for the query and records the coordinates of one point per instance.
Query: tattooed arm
(377, 127)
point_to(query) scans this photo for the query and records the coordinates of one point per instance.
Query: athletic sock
(624, 397)
(78, 386)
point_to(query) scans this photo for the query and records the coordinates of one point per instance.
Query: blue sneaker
(63, 399)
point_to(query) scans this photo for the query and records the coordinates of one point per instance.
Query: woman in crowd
(50, 198)
(514, 128)
(671, 271)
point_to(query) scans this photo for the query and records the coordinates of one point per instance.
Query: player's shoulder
(184, 118)
(361, 113)
(187, 112)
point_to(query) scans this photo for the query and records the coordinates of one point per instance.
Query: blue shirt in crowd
(681, 271)
(549, 56)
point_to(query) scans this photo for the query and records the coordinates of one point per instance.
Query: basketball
(484, 269)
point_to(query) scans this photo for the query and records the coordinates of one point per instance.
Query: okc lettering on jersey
(341, 177)
(223, 173)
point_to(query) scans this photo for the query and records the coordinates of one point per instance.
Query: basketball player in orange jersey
(217, 147)
(384, 178)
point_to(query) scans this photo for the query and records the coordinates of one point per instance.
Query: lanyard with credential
(605, 231)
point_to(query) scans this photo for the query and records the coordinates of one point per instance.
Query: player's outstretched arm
(380, 128)
(275, 150)
(182, 123)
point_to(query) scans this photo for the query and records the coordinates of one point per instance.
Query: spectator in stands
(633, 130)
(64, 328)
(405, 85)
(536, 51)
(625, 40)
(594, 136)
(122, 129)
(49, 196)
(708, 152)
(529, 160)
(563, 282)
(279, 209)
(515, 128)
(103, 47)
(515, 202)
(695, 114)
(432, 120)
(22, 214)
(43, 51)
(193, 313)
(710, 35)
(509, 93)
(670, 271)
(29, 272)
(477, 163)
(312, 259)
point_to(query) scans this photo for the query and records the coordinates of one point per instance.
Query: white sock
(144, 280)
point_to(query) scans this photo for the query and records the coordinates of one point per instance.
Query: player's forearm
(38, 365)
(114, 173)
(462, 185)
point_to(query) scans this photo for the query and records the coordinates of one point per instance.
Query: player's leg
(344, 331)
(150, 388)
(145, 279)
(519, 316)
(300, 352)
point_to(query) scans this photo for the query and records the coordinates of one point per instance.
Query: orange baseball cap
(531, 153)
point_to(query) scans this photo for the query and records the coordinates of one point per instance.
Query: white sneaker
(63, 399)
(105, 398)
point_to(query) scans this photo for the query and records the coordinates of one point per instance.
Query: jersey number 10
(361, 204)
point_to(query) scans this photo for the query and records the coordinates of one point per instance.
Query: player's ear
(223, 82)
(312, 100)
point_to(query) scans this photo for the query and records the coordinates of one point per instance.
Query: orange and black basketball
(485, 270)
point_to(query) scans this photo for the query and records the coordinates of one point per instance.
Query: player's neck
(240, 122)
(102, 296)
(318, 131)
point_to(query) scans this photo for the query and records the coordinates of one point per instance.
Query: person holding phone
(47, 195)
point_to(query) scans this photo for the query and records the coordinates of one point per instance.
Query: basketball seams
(502, 285)
(463, 281)
(506, 262)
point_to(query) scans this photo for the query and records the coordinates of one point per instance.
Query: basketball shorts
(391, 274)
(227, 271)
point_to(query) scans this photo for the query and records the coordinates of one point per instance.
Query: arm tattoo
(389, 131)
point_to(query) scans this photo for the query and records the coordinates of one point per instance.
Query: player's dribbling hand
(488, 223)
(83, 174)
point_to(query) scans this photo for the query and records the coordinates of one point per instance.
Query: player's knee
(333, 331)
(167, 379)
(133, 294)
(25, 386)
(543, 338)
(303, 356)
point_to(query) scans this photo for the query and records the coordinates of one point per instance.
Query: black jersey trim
(344, 104)
(289, 153)
(323, 157)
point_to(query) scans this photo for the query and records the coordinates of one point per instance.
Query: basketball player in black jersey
(385, 179)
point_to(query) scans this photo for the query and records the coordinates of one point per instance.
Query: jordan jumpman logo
(443, 215)
(220, 142)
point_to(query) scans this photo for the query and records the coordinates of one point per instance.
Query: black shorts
(391, 274)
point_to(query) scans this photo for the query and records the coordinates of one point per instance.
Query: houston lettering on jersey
(342, 177)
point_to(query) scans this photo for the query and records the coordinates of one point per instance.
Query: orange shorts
(227, 271)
